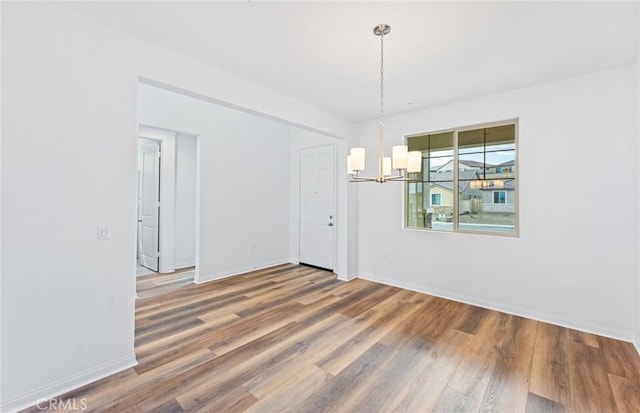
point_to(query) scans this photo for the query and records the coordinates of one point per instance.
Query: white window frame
(435, 193)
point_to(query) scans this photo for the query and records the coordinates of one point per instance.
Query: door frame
(167, 188)
(159, 195)
(336, 220)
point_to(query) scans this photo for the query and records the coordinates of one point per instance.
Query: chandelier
(403, 161)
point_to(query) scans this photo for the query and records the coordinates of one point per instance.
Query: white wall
(69, 163)
(186, 175)
(576, 260)
(244, 181)
(67, 298)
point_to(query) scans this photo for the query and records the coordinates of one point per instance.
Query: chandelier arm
(362, 179)
(401, 179)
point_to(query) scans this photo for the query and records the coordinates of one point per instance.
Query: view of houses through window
(485, 179)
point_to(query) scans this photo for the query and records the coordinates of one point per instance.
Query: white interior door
(317, 218)
(149, 209)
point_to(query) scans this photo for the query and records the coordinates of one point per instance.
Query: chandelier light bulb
(357, 159)
(400, 157)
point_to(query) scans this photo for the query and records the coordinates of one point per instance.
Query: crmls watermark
(60, 404)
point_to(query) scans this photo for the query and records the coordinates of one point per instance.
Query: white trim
(239, 271)
(335, 220)
(196, 276)
(636, 344)
(348, 278)
(509, 309)
(186, 264)
(67, 384)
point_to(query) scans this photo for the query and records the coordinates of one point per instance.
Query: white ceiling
(324, 53)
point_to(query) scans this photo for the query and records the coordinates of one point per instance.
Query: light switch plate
(104, 232)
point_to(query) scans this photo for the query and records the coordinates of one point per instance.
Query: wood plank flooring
(294, 339)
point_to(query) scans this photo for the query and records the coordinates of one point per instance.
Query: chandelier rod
(381, 30)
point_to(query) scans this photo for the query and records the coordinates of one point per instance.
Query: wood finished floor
(294, 339)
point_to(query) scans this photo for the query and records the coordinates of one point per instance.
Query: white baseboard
(636, 344)
(239, 271)
(509, 309)
(187, 264)
(348, 277)
(67, 384)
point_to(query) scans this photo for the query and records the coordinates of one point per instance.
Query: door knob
(330, 224)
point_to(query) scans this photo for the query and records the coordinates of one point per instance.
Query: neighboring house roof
(508, 163)
(474, 164)
(449, 185)
(465, 162)
(507, 185)
(444, 179)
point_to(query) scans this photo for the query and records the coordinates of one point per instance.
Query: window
(499, 197)
(468, 181)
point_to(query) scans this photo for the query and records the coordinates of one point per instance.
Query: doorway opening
(148, 245)
(167, 203)
(317, 207)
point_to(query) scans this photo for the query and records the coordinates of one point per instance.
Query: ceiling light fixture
(402, 160)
